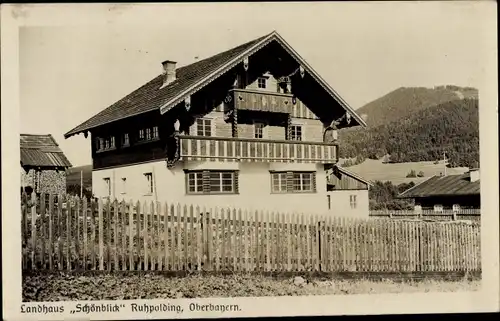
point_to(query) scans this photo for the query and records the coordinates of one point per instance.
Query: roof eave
(272, 36)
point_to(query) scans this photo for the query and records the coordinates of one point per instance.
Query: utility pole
(81, 184)
(444, 162)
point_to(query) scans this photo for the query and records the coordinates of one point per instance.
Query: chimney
(168, 72)
(474, 174)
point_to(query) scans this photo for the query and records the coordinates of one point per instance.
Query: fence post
(318, 232)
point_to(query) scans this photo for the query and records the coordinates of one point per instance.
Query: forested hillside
(451, 127)
(404, 101)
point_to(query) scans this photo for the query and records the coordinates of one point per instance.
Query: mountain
(404, 101)
(421, 135)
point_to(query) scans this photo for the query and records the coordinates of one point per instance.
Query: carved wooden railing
(255, 150)
(245, 99)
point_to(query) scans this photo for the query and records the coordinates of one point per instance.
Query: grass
(67, 287)
(396, 173)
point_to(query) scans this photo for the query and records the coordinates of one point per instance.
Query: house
(450, 192)
(43, 165)
(251, 127)
(347, 193)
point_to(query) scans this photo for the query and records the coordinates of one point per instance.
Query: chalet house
(43, 165)
(451, 192)
(251, 127)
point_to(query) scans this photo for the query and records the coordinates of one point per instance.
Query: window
(261, 82)
(329, 199)
(296, 132)
(107, 185)
(195, 182)
(418, 209)
(124, 185)
(279, 182)
(259, 130)
(221, 182)
(302, 182)
(353, 201)
(211, 182)
(125, 140)
(105, 143)
(149, 183)
(438, 208)
(456, 207)
(204, 127)
(293, 182)
(149, 133)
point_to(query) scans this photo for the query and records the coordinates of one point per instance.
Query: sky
(70, 71)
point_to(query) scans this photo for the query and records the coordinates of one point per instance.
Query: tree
(74, 189)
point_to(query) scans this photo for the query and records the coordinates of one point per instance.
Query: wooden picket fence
(74, 234)
(446, 215)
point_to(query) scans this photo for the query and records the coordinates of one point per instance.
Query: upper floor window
(212, 182)
(105, 143)
(438, 208)
(293, 182)
(125, 140)
(455, 207)
(353, 201)
(149, 133)
(296, 132)
(204, 127)
(259, 130)
(261, 82)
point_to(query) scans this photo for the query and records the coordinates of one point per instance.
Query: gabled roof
(449, 185)
(192, 78)
(41, 151)
(353, 175)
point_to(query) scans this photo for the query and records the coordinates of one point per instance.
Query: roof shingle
(41, 151)
(150, 97)
(444, 186)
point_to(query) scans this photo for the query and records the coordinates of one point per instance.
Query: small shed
(449, 192)
(347, 193)
(43, 164)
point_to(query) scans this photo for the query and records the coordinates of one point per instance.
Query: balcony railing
(256, 150)
(245, 99)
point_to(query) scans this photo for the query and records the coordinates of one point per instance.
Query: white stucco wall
(341, 205)
(254, 186)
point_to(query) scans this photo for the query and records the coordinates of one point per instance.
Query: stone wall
(45, 181)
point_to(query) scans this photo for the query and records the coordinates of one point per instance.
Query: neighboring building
(450, 192)
(43, 164)
(347, 193)
(251, 127)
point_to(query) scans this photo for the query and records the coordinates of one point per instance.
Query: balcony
(256, 150)
(245, 99)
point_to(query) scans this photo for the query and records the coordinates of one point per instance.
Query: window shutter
(206, 182)
(313, 181)
(236, 182)
(289, 182)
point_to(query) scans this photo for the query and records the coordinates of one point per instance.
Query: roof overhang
(253, 49)
(355, 176)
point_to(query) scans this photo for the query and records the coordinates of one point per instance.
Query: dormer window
(262, 82)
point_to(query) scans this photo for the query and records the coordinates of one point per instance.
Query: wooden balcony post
(235, 122)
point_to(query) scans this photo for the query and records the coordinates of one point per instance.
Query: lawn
(66, 287)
